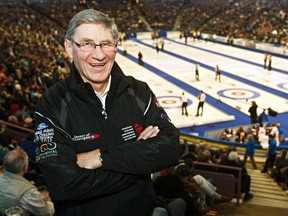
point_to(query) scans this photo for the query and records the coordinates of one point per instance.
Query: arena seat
(227, 184)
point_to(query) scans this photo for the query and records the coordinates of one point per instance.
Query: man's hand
(149, 132)
(89, 160)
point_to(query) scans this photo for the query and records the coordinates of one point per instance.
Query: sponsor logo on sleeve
(45, 135)
(42, 126)
(165, 116)
(46, 151)
(47, 148)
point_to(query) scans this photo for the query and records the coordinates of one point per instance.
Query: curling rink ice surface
(172, 71)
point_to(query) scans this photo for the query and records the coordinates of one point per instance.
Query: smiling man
(99, 133)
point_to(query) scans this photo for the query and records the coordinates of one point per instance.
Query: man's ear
(68, 48)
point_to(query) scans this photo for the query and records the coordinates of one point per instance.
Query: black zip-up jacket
(69, 119)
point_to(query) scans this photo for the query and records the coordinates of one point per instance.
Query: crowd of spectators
(183, 181)
(31, 40)
(196, 14)
(31, 60)
(161, 14)
(259, 131)
(263, 21)
(278, 169)
(224, 156)
(124, 13)
(33, 56)
(260, 20)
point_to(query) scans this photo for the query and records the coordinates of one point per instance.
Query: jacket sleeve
(150, 155)
(57, 158)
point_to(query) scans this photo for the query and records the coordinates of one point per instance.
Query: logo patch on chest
(130, 132)
(84, 137)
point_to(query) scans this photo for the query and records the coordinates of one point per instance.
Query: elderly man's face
(95, 66)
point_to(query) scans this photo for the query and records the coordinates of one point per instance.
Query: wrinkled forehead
(93, 31)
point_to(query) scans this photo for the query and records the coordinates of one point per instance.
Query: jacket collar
(14, 176)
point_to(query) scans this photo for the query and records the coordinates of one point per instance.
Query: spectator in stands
(280, 133)
(240, 135)
(4, 140)
(14, 120)
(253, 131)
(174, 207)
(224, 136)
(223, 155)
(191, 152)
(22, 113)
(3, 152)
(234, 160)
(229, 134)
(14, 106)
(28, 123)
(261, 130)
(169, 186)
(204, 153)
(280, 168)
(280, 158)
(195, 183)
(271, 154)
(17, 191)
(4, 114)
(263, 138)
(275, 132)
(250, 150)
(29, 146)
(253, 112)
(85, 109)
(216, 155)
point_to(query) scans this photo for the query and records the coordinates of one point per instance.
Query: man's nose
(98, 52)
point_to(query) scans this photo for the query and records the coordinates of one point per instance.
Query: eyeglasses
(89, 46)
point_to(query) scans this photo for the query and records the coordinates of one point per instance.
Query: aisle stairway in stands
(269, 199)
(266, 191)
